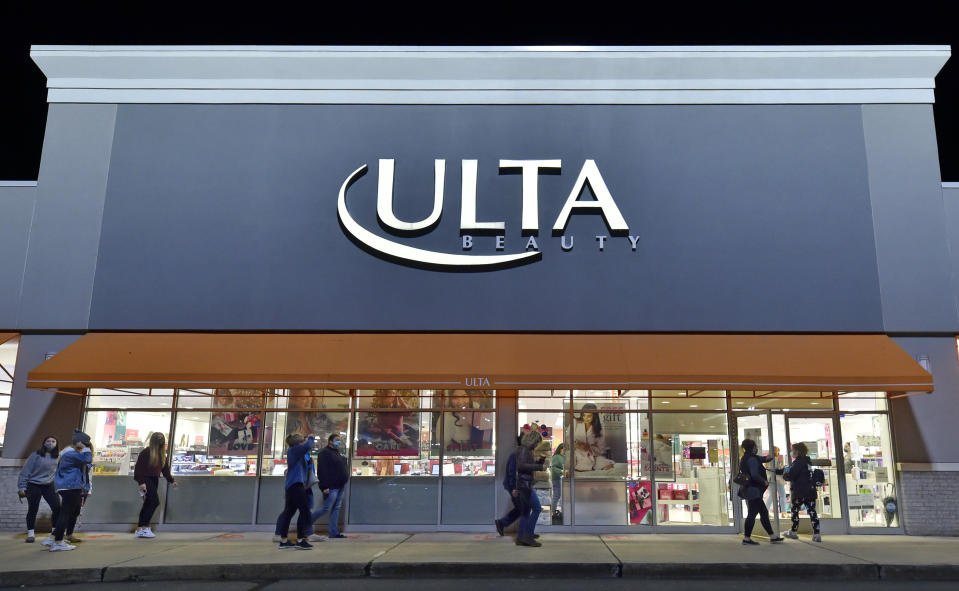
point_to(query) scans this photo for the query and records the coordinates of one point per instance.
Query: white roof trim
(491, 75)
(18, 183)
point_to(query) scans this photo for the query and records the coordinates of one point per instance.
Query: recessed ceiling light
(665, 402)
(814, 403)
(693, 406)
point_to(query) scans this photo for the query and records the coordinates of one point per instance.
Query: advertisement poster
(389, 427)
(663, 457)
(235, 432)
(599, 439)
(466, 429)
(640, 500)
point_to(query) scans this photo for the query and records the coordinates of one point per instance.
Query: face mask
(338, 443)
(49, 445)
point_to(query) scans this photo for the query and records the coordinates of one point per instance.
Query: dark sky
(23, 106)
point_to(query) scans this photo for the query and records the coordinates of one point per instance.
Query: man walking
(333, 472)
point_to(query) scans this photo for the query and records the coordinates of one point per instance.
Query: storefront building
(648, 254)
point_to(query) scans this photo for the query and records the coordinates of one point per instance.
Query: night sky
(23, 107)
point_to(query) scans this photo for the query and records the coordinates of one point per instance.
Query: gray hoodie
(37, 470)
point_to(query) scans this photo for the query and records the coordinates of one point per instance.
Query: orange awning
(6, 336)
(503, 361)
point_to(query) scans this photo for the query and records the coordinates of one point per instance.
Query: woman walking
(799, 475)
(150, 464)
(751, 466)
(297, 480)
(36, 481)
(557, 468)
(72, 481)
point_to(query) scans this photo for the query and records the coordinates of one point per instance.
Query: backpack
(509, 483)
(817, 478)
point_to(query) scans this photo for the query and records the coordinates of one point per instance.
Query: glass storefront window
(320, 413)
(8, 359)
(863, 401)
(543, 399)
(818, 433)
(195, 398)
(130, 398)
(118, 437)
(869, 470)
(554, 493)
(467, 431)
(393, 438)
(220, 443)
(691, 464)
(698, 400)
(776, 400)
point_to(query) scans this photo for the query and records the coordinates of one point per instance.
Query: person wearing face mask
(72, 481)
(333, 472)
(36, 481)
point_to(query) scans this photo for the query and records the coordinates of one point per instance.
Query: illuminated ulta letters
(530, 171)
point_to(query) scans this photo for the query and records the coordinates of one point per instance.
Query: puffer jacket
(526, 465)
(752, 465)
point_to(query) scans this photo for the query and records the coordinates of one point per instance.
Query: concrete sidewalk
(250, 556)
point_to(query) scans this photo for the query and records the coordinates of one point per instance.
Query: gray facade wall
(915, 270)
(16, 213)
(65, 236)
(950, 199)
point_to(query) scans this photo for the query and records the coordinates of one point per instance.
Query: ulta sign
(530, 171)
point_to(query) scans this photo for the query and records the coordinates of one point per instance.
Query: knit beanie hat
(80, 437)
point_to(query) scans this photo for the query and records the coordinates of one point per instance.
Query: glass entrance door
(758, 426)
(819, 435)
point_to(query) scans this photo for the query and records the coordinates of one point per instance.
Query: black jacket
(800, 478)
(752, 465)
(332, 469)
(525, 464)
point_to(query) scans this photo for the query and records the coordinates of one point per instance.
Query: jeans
(529, 514)
(513, 514)
(279, 518)
(49, 494)
(331, 503)
(70, 502)
(756, 507)
(150, 502)
(557, 497)
(296, 500)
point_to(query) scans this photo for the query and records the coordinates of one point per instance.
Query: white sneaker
(145, 533)
(817, 538)
(791, 535)
(317, 538)
(277, 539)
(61, 546)
(48, 541)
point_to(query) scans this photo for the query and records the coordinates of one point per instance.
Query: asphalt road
(366, 584)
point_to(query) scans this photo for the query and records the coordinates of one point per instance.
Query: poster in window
(389, 428)
(599, 439)
(468, 423)
(640, 500)
(663, 457)
(235, 432)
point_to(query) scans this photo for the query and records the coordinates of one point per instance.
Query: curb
(923, 572)
(236, 572)
(737, 570)
(473, 570)
(30, 578)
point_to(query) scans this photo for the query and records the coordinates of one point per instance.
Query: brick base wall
(928, 503)
(13, 514)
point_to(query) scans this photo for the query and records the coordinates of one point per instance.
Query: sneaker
(287, 545)
(499, 526)
(816, 538)
(318, 538)
(29, 539)
(61, 546)
(48, 541)
(750, 542)
(337, 537)
(529, 542)
(791, 535)
(73, 539)
(778, 540)
(145, 533)
(535, 536)
(277, 539)
(303, 545)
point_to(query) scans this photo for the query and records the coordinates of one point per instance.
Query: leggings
(756, 507)
(150, 502)
(71, 501)
(296, 500)
(49, 494)
(810, 505)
